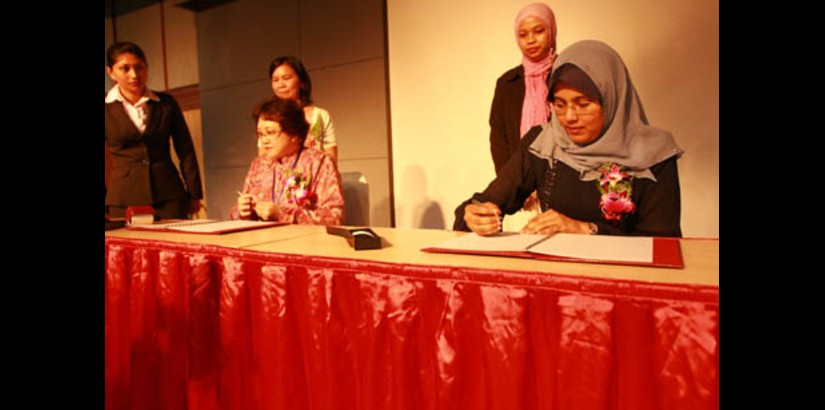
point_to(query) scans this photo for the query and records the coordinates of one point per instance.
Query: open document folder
(621, 250)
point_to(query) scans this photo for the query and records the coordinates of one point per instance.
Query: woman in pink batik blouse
(290, 182)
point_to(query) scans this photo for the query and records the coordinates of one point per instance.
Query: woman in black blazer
(139, 124)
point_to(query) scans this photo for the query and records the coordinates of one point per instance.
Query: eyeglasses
(579, 107)
(270, 135)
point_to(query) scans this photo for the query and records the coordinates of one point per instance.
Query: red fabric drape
(206, 327)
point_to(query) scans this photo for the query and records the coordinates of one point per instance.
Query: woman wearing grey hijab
(598, 166)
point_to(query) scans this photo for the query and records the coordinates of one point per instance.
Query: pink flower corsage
(297, 190)
(616, 187)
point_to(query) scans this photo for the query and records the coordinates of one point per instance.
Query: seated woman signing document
(598, 166)
(289, 182)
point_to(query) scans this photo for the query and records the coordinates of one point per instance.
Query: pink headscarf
(533, 110)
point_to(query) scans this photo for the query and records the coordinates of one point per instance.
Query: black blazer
(505, 116)
(143, 172)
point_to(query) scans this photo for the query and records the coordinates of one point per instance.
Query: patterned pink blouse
(323, 179)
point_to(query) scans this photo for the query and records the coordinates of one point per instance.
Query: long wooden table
(293, 318)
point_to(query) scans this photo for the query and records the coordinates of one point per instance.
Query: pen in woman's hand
(498, 214)
(477, 202)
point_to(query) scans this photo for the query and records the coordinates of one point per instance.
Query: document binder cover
(666, 253)
(205, 226)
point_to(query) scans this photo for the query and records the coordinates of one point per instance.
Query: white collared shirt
(139, 112)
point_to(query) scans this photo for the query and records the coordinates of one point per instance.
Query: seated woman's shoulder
(667, 165)
(315, 154)
(320, 110)
(530, 136)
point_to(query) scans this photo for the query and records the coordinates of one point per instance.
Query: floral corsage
(616, 187)
(297, 190)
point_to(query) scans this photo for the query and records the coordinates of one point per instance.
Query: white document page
(173, 223)
(503, 242)
(598, 247)
(218, 226)
(205, 225)
(178, 222)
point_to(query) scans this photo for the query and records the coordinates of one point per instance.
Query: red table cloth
(207, 327)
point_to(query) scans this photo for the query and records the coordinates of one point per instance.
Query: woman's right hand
(245, 206)
(483, 219)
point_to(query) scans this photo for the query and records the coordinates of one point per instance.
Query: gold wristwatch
(592, 228)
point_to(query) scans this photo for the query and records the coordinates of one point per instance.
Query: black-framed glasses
(275, 134)
(581, 107)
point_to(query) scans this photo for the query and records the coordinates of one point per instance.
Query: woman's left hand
(532, 202)
(550, 222)
(194, 206)
(267, 211)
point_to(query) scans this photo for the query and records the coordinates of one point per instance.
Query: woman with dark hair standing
(290, 81)
(139, 124)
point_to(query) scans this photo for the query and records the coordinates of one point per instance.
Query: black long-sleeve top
(658, 203)
(505, 116)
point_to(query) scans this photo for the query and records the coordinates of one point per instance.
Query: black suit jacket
(505, 116)
(143, 172)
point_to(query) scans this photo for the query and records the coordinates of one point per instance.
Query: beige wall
(444, 60)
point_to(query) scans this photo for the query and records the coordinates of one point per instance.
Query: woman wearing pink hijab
(520, 99)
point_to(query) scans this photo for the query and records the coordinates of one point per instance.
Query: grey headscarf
(626, 138)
